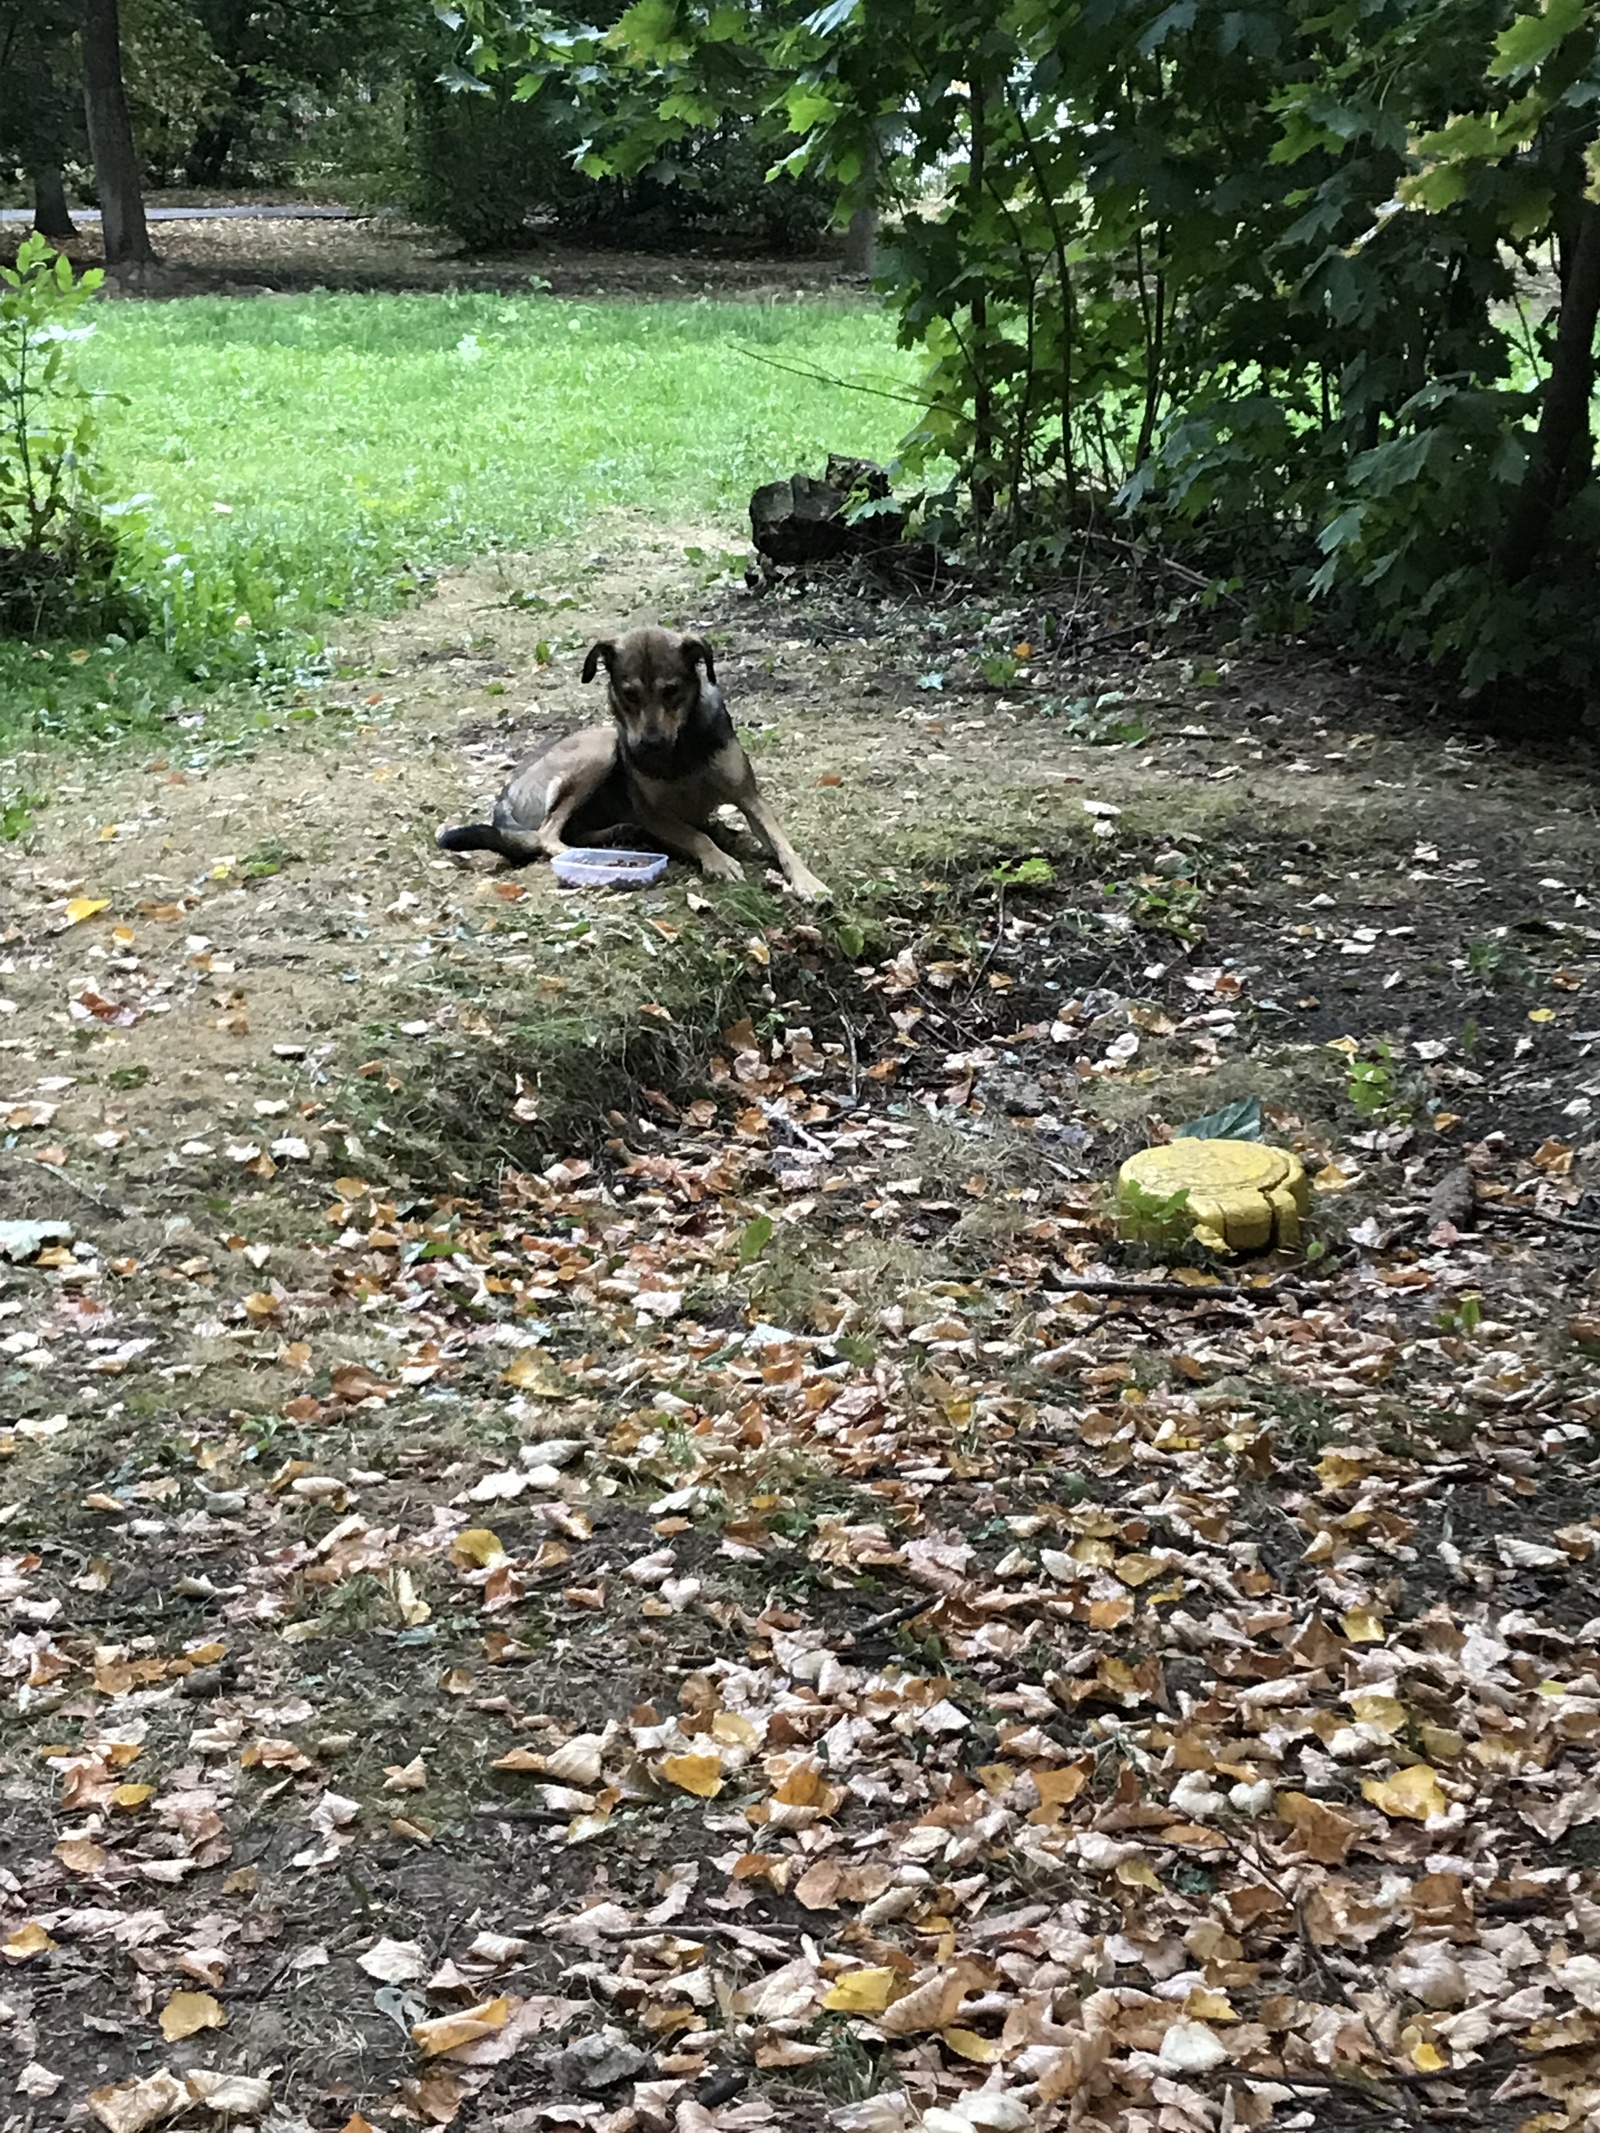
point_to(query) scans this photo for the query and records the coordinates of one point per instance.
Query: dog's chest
(695, 798)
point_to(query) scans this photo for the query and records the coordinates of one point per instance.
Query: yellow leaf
(82, 907)
(532, 1371)
(862, 1992)
(967, 2044)
(1204, 2006)
(26, 1941)
(1330, 1178)
(1413, 1794)
(1362, 1626)
(734, 1730)
(1137, 1874)
(1137, 1570)
(699, 1774)
(128, 1797)
(449, 2032)
(476, 1549)
(187, 2013)
(1541, 1014)
(1386, 1712)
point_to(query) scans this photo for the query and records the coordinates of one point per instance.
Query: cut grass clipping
(305, 455)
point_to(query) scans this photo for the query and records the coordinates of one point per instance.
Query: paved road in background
(290, 213)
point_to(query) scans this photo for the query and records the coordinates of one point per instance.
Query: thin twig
(994, 945)
(823, 377)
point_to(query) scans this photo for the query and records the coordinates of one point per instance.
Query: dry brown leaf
(129, 2106)
(449, 2032)
(929, 2006)
(1324, 1833)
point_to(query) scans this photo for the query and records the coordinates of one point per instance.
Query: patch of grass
(350, 436)
(317, 454)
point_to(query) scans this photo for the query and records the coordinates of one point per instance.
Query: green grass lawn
(297, 455)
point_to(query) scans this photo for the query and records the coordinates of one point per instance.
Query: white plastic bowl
(594, 867)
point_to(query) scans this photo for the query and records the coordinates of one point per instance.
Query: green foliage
(442, 425)
(41, 96)
(1271, 277)
(1158, 1220)
(17, 810)
(754, 1239)
(1239, 1121)
(56, 556)
(1462, 1319)
(484, 160)
(1173, 907)
(1035, 873)
(1373, 1085)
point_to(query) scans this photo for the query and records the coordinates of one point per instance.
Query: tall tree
(116, 161)
(52, 217)
(41, 109)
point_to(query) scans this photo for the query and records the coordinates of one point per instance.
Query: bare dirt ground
(599, 1531)
(261, 257)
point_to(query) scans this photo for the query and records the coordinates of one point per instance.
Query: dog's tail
(517, 846)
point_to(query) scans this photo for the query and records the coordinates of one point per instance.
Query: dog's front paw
(721, 866)
(809, 887)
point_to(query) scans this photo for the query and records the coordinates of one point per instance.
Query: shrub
(57, 554)
(483, 160)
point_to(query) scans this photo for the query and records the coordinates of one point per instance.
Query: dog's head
(654, 686)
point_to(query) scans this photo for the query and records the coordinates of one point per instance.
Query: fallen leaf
(862, 1992)
(394, 1962)
(699, 1774)
(1414, 1793)
(449, 2032)
(229, 2095)
(24, 1942)
(129, 2106)
(187, 2013)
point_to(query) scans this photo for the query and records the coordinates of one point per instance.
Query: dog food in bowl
(596, 868)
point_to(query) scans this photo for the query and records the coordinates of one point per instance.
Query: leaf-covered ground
(599, 1534)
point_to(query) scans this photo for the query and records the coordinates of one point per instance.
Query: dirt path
(587, 1543)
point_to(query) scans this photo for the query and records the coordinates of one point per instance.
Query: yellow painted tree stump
(1243, 1195)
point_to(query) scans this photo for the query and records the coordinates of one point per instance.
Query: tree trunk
(861, 241)
(116, 162)
(51, 216)
(1561, 446)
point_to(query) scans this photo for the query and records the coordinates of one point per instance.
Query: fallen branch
(876, 1626)
(1168, 1290)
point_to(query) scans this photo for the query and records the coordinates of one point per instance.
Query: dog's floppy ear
(604, 650)
(698, 653)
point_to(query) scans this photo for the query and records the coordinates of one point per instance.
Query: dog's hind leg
(515, 846)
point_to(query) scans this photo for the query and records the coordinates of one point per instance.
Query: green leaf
(832, 17)
(754, 1239)
(1239, 1121)
(807, 107)
(851, 938)
(1532, 38)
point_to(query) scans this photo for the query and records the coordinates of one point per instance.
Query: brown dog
(667, 763)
